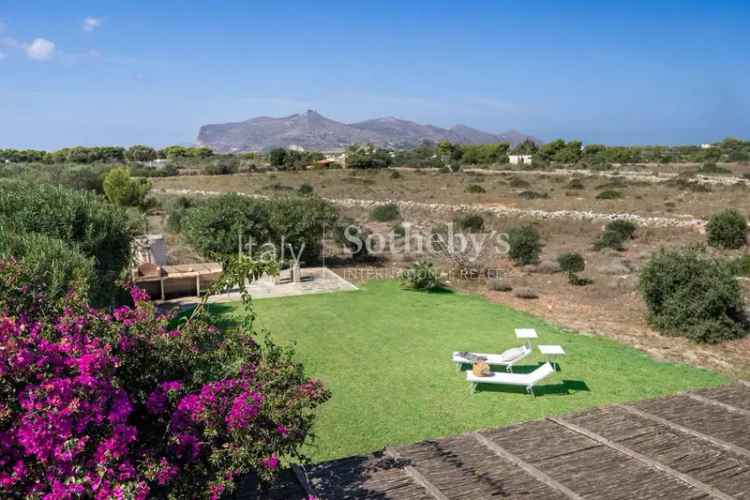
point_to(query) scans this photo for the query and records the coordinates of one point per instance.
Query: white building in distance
(520, 159)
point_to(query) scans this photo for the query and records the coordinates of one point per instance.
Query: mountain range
(313, 131)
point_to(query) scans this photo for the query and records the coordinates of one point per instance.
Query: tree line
(102, 154)
(427, 154)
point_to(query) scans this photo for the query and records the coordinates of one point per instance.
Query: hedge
(99, 230)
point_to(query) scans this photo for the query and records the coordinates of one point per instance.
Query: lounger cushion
(513, 378)
(512, 354)
(470, 356)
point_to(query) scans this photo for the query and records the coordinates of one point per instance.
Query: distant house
(706, 146)
(333, 159)
(520, 159)
(325, 162)
(158, 163)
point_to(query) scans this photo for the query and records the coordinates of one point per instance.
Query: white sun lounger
(507, 359)
(527, 380)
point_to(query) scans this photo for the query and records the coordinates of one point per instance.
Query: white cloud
(40, 49)
(3, 55)
(91, 23)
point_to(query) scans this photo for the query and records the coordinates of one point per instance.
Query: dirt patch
(640, 197)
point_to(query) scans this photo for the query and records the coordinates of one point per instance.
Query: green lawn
(385, 354)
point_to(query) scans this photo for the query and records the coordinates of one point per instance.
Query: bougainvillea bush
(132, 404)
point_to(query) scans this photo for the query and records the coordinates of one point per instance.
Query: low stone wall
(686, 222)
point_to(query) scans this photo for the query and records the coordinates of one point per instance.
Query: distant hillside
(313, 131)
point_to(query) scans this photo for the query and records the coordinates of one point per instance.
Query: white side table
(552, 351)
(526, 334)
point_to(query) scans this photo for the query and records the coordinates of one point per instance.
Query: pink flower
(216, 490)
(245, 408)
(121, 408)
(271, 463)
(138, 295)
(156, 402)
(88, 364)
(104, 405)
(166, 473)
(192, 405)
(188, 447)
(171, 386)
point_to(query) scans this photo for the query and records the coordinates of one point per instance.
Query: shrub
(727, 229)
(99, 404)
(80, 219)
(214, 226)
(352, 237)
(169, 170)
(625, 227)
(140, 153)
(526, 293)
(576, 280)
(741, 265)
(306, 189)
(475, 189)
(385, 213)
(571, 262)
(175, 211)
(525, 244)
(421, 276)
(610, 239)
(713, 168)
(609, 194)
(499, 285)
(83, 178)
(395, 174)
(277, 186)
(532, 195)
(576, 184)
(516, 182)
(301, 223)
(56, 266)
(222, 166)
(399, 230)
(691, 294)
(471, 223)
(123, 190)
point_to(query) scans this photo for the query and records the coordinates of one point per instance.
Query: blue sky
(98, 72)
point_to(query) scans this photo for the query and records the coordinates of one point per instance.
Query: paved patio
(314, 280)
